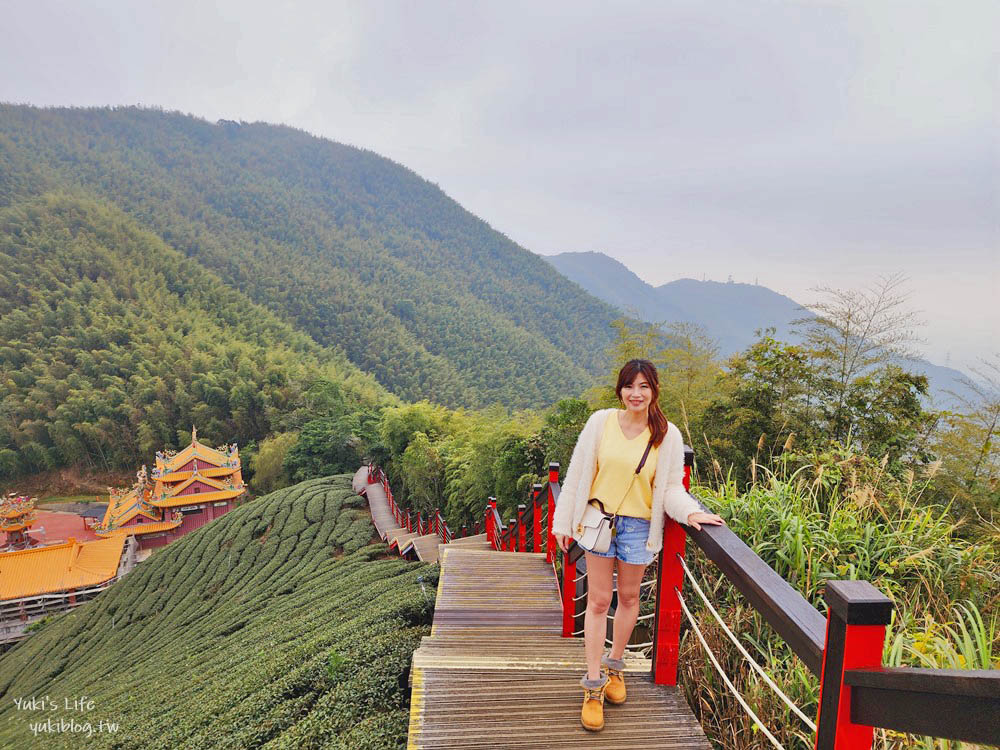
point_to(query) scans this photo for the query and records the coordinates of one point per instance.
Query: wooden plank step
(529, 709)
(478, 541)
(426, 547)
(401, 539)
(378, 502)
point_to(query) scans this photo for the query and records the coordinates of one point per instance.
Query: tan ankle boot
(592, 712)
(615, 671)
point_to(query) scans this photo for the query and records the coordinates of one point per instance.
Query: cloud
(794, 141)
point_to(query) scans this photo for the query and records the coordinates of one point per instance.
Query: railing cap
(858, 602)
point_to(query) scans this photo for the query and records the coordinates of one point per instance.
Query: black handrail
(954, 703)
(798, 622)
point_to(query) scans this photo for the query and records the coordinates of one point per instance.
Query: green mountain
(275, 626)
(112, 344)
(349, 247)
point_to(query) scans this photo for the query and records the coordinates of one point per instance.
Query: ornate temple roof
(138, 529)
(224, 457)
(58, 567)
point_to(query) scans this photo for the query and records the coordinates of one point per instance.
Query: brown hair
(657, 421)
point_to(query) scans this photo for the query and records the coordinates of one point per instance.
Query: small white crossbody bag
(597, 527)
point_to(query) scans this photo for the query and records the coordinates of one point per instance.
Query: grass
(91, 498)
(846, 519)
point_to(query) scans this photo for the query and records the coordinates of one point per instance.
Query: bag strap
(645, 455)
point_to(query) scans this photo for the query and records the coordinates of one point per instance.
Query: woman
(603, 465)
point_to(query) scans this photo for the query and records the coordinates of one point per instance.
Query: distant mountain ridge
(730, 312)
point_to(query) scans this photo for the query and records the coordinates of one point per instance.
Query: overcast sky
(796, 143)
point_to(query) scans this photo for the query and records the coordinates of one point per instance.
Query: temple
(44, 580)
(17, 514)
(189, 488)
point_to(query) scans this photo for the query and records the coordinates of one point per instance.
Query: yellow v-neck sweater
(617, 458)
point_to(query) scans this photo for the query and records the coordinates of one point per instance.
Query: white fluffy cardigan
(669, 495)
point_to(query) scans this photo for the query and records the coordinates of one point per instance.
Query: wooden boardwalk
(495, 671)
(377, 502)
(426, 547)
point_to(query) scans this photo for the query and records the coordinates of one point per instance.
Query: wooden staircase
(495, 671)
(424, 546)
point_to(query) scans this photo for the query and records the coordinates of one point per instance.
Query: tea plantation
(276, 626)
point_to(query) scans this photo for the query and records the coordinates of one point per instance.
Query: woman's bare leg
(629, 578)
(595, 622)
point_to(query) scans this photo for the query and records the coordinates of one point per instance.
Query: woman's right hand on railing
(563, 541)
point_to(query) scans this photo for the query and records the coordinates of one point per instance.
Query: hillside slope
(111, 343)
(350, 247)
(224, 638)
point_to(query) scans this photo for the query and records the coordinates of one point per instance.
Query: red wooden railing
(433, 524)
(844, 648)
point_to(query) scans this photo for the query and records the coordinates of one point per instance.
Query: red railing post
(855, 636)
(464, 531)
(492, 531)
(512, 535)
(670, 574)
(536, 520)
(521, 530)
(667, 621)
(550, 540)
(409, 521)
(568, 595)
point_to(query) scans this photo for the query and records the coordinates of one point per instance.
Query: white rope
(722, 674)
(645, 617)
(736, 642)
(650, 582)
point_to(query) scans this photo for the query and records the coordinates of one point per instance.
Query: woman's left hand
(696, 519)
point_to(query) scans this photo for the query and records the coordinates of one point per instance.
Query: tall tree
(689, 376)
(969, 447)
(854, 332)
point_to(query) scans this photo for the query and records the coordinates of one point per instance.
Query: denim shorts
(629, 542)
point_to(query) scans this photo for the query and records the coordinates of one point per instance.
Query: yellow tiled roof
(58, 567)
(125, 507)
(196, 498)
(208, 471)
(139, 528)
(195, 450)
(198, 478)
